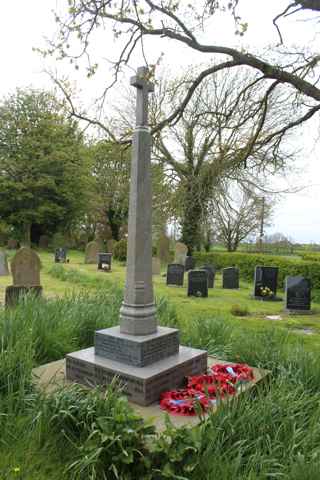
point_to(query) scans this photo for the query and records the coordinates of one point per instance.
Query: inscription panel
(136, 353)
(140, 390)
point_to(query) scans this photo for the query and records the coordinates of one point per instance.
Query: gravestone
(44, 241)
(156, 266)
(4, 270)
(12, 244)
(297, 294)
(175, 274)
(211, 274)
(163, 249)
(146, 358)
(230, 278)
(110, 245)
(189, 263)
(25, 269)
(91, 253)
(60, 255)
(198, 283)
(181, 251)
(104, 261)
(265, 277)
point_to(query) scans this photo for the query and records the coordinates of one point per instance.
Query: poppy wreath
(203, 390)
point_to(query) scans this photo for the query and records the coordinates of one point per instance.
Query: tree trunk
(26, 235)
(191, 222)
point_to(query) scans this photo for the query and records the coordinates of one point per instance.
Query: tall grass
(271, 432)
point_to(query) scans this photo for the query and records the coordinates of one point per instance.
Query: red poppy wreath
(204, 390)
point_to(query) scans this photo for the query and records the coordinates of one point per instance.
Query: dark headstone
(211, 274)
(198, 283)
(297, 293)
(230, 277)
(60, 255)
(265, 277)
(175, 274)
(104, 261)
(189, 263)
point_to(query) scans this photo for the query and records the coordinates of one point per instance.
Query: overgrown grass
(273, 432)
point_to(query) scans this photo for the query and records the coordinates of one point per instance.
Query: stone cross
(144, 87)
(138, 311)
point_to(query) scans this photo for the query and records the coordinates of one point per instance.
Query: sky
(23, 28)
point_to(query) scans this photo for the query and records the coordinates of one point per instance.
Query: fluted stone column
(138, 312)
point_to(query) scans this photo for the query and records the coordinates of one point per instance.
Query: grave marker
(175, 274)
(156, 266)
(198, 283)
(60, 255)
(211, 274)
(181, 251)
(91, 253)
(265, 280)
(25, 269)
(164, 249)
(189, 263)
(104, 261)
(297, 294)
(4, 270)
(230, 278)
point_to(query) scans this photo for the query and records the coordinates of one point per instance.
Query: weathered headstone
(175, 274)
(60, 255)
(25, 269)
(44, 241)
(146, 358)
(156, 266)
(230, 277)
(4, 270)
(12, 244)
(181, 251)
(104, 261)
(164, 249)
(110, 245)
(297, 294)
(197, 283)
(211, 274)
(91, 253)
(189, 263)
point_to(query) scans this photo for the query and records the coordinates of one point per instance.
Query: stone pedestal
(141, 385)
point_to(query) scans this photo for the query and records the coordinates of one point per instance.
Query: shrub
(239, 311)
(246, 262)
(120, 250)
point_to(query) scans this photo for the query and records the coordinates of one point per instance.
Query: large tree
(224, 134)
(189, 24)
(43, 168)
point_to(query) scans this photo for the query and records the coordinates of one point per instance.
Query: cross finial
(141, 82)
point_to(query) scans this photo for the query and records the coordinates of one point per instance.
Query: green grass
(273, 432)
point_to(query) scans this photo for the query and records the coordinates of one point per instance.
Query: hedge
(246, 262)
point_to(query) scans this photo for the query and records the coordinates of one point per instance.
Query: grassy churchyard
(270, 432)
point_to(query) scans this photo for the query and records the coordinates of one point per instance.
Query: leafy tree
(218, 138)
(111, 174)
(43, 167)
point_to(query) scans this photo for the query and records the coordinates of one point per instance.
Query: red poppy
(203, 390)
